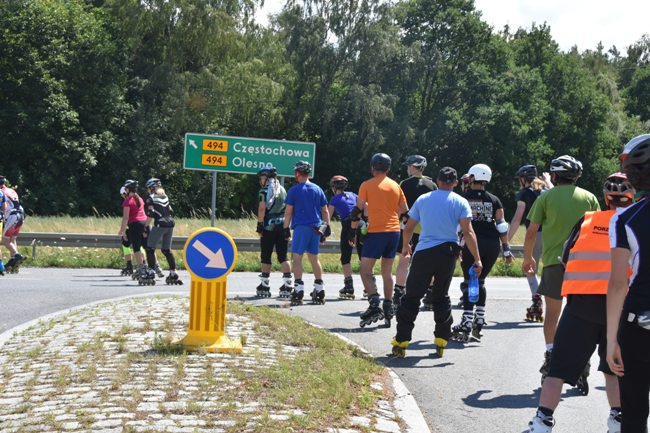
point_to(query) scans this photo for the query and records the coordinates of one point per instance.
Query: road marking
(215, 260)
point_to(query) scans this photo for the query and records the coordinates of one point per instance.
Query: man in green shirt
(557, 210)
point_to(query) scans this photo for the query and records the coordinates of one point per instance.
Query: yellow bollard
(210, 255)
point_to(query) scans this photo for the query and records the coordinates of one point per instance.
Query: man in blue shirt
(307, 214)
(439, 213)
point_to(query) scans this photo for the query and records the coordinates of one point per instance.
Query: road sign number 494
(214, 160)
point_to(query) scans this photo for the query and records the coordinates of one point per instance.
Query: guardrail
(85, 240)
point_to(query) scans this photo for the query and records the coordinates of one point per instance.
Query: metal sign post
(214, 197)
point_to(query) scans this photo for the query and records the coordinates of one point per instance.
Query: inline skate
(477, 325)
(173, 280)
(389, 311)
(541, 424)
(318, 294)
(581, 383)
(399, 348)
(264, 288)
(427, 301)
(546, 365)
(128, 270)
(13, 265)
(535, 313)
(462, 331)
(145, 276)
(287, 286)
(296, 297)
(373, 313)
(614, 421)
(440, 344)
(159, 272)
(347, 292)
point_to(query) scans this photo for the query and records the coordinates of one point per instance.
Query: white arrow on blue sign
(210, 253)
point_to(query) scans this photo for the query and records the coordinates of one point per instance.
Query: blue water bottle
(472, 289)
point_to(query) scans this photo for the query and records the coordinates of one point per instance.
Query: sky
(583, 23)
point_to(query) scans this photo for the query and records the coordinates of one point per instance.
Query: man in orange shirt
(386, 202)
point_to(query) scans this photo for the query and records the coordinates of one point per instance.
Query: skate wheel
(362, 324)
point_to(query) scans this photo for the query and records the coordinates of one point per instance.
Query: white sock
(549, 347)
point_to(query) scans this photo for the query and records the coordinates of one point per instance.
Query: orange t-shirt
(384, 197)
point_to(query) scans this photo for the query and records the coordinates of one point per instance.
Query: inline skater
(270, 219)
(342, 203)
(464, 182)
(440, 213)
(628, 330)
(491, 230)
(127, 253)
(14, 216)
(306, 213)
(582, 327)
(160, 228)
(386, 202)
(135, 218)
(557, 210)
(413, 187)
(530, 189)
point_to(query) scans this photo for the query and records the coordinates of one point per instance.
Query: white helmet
(123, 190)
(481, 173)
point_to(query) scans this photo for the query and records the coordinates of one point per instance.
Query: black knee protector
(126, 243)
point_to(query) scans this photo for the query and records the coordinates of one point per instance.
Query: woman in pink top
(135, 218)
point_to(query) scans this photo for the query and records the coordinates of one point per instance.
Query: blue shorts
(305, 239)
(382, 245)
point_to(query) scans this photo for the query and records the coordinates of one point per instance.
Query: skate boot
(614, 421)
(159, 272)
(2, 268)
(389, 311)
(318, 294)
(287, 286)
(545, 367)
(128, 270)
(399, 348)
(146, 276)
(298, 293)
(264, 289)
(541, 424)
(347, 292)
(440, 343)
(172, 279)
(398, 292)
(427, 301)
(13, 265)
(373, 313)
(581, 383)
(477, 326)
(462, 331)
(535, 313)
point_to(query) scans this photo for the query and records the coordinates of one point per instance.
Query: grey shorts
(551, 284)
(158, 233)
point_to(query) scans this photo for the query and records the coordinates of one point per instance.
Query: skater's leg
(551, 392)
(551, 288)
(635, 383)
(367, 264)
(444, 271)
(387, 277)
(402, 270)
(316, 266)
(613, 391)
(296, 260)
(552, 315)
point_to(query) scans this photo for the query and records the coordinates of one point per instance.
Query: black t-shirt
(160, 210)
(528, 196)
(414, 187)
(630, 230)
(484, 207)
(592, 308)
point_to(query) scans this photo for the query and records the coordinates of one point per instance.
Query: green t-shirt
(275, 206)
(558, 210)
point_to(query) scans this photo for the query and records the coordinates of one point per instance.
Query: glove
(325, 230)
(286, 233)
(260, 228)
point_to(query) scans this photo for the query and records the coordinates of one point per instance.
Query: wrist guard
(260, 228)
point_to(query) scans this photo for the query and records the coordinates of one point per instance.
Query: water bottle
(472, 289)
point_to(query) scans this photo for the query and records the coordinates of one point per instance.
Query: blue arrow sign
(210, 253)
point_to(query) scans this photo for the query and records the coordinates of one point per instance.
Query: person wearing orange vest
(582, 327)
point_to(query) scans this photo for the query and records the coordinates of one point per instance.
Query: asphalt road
(491, 386)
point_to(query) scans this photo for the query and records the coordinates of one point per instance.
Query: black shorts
(135, 234)
(414, 241)
(273, 239)
(575, 341)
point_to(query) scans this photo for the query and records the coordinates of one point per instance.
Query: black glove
(325, 230)
(260, 228)
(286, 233)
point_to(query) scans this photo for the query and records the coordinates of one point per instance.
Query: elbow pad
(502, 227)
(355, 215)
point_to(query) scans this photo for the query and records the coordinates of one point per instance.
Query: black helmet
(339, 182)
(268, 171)
(380, 162)
(3, 180)
(131, 185)
(302, 167)
(566, 167)
(418, 161)
(637, 151)
(528, 171)
(153, 183)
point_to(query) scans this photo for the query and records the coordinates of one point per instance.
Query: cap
(448, 174)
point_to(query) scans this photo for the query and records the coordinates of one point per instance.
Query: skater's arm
(330, 210)
(407, 234)
(516, 220)
(470, 242)
(616, 292)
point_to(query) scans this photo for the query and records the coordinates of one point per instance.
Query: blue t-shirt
(307, 200)
(344, 203)
(439, 213)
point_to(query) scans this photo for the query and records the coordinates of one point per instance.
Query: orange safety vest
(589, 265)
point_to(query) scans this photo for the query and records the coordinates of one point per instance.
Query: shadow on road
(411, 361)
(513, 325)
(507, 401)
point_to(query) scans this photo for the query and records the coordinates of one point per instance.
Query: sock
(549, 347)
(545, 411)
(266, 274)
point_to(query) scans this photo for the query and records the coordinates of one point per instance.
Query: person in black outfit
(491, 232)
(628, 311)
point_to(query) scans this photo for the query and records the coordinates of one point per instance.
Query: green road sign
(244, 155)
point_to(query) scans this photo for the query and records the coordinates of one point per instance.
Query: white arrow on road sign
(215, 260)
(193, 144)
